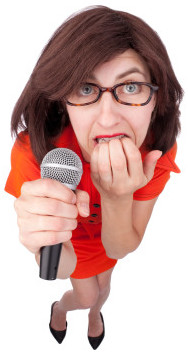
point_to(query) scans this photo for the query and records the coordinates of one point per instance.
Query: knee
(104, 290)
(88, 299)
(104, 282)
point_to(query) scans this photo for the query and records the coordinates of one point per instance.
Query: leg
(84, 295)
(95, 323)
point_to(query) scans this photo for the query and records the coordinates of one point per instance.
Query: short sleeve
(24, 166)
(165, 165)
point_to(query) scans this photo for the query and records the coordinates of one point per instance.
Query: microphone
(65, 166)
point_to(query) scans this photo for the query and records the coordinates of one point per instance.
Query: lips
(107, 138)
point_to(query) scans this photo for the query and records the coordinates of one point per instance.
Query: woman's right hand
(47, 213)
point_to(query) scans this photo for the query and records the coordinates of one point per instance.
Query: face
(107, 117)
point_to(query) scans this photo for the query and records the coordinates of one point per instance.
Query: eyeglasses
(129, 93)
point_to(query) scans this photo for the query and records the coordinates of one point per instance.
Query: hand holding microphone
(47, 213)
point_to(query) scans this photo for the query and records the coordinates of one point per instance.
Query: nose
(108, 114)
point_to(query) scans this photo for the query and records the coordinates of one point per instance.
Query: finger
(82, 203)
(36, 223)
(104, 164)
(118, 161)
(48, 206)
(49, 188)
(35, 241)
(133, 156)
(94, 162)
(150, 163)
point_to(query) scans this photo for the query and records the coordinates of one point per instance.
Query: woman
(105, 88)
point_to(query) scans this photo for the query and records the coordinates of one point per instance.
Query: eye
(131, 88)
(86, 90)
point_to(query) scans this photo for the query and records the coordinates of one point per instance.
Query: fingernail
(85, 209)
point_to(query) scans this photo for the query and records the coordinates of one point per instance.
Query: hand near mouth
(117, 170)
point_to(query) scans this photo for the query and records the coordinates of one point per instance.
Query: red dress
(86, 238)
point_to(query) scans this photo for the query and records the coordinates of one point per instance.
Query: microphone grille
(63, 165)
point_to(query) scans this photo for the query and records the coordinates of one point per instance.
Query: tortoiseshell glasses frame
(101, 90)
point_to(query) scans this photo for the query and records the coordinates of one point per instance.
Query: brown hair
(82, 42)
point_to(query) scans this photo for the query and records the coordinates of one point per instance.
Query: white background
(147, 311)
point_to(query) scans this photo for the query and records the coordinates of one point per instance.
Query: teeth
(106, 139)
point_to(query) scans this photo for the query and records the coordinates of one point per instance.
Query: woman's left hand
(117, 170)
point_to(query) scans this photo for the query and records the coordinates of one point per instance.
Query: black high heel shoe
(58, 335)
(96, 341)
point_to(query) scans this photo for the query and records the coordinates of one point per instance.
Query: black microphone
(65, 166)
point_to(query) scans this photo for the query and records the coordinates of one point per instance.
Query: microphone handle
(49, 261)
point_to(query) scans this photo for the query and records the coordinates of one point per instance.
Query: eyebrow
(124, 74)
